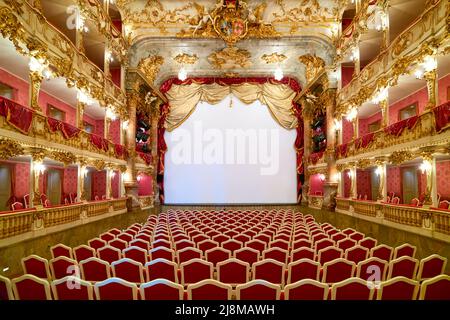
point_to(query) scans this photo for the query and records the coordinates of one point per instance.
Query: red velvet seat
(206, 245)
(282, 244)
(338, 236)
(322, 244)
(303, 269)
(352, 289)
(61, 250)
(404, 266)
(36, 266)
(329, 254)
(93, 269)
(209, 289)
(405, 250)
(161, 289)
(109, 254)
(30, 287)
(372, 269)
(216, 255)
(118, 244)
(233, 271)
(195, 270)
(258, 290)
(107, 236)
(248, 255)
(72, 288)
(437, 288)
(161, 268)
(188, 253)
(257, 245)
(97, 243)
(136, 253)
(116, 289)
(232, 245)
(162, 253)
(83, 252)
(184, 244)
(306, 289)
(382, 251)
(269, 270)
(338, 270)
(356, 254)
(6, 291)
(128, 270)
(431, 266)
(368, 242)
(399, 288)
(345, 244)
(62, 266)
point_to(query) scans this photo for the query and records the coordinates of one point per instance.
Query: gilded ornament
(313, 64)
(186, 58)
(398, 157)
(150, 66)
(9, 149)
(273, 58)
(230, 58)
(63, 156)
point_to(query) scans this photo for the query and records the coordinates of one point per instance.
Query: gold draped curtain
(277, 97)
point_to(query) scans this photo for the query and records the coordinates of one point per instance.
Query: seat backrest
(62, 266)
(258, 290)
(161, 268)
(72, 288)
(247, 254)
(36, 266)
(328, 254)
(405, 249)
(352, 289)
(269, 270)
(6, 291)
(216, 255)
(109, 254)
(189, 253)
(303, 269)
(115, 289)
(404, 266)
(306, 289)
(128, 270)
(209, 289)
(233, 271)
(30, 287)
(195, 270)
(161, 289)
(61, 250)
(356, 254)
(162, 253)
(431, 266)
(382, 251)
(437, 288)
(373, 269)
(93, 269)
(338, 270)
(82, 252)
(276, 254)
(398, 288)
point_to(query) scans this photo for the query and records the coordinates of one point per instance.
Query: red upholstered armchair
(444, 204)
(16, 206)
(26, 200)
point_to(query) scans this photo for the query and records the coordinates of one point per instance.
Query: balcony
(429, 128)
(24, 125)
(427, 34)
(431, 222)
(30, 223)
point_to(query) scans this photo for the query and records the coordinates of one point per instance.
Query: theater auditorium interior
(224, 150)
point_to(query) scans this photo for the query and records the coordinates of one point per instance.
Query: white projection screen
(230, 154)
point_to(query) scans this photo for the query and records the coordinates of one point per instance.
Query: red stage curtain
(299, 148)
(397, 128)
(442, 116)
(165, 109)
(16, 115)
(99, 142)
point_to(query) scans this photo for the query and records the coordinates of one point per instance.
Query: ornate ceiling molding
(150, 66)
(184, 58)
(273, 58)
(230, 58)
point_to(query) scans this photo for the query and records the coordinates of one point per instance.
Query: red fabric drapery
(342, 150)
(442, 116)
(315, 157)
(397, 128)
(16, 115)
(99, 142)
(165, 109)
(365, 140)
(299, 149)
(146, 157)
(68, 131)
(120, 151)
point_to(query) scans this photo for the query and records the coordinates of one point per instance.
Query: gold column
(107, 125)
(109, 173)
(432, 86)
(35, 86)
(307, 151)
(353, 186)
(80, 113)
(384, 106)
(331, 184)
(355, 123)
(382, 191)
(431, 191)
(82, 171)
(106, 60)
(37, 156)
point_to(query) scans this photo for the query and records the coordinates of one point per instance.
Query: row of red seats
(29, 287)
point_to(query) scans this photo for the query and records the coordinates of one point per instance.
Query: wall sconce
(109, 56)
(378, 170)
(110, 113)
(112, 174)
(382, 21)
(125, 125)
(350, 173)
(355, 54)
(139, 178)
(182, 74)
(39, 167)
(430, 63)
(337, 124)
(321, 177)
(425, 166)
(278, 74)
(83, 97)
(381, 95)
(351, 115)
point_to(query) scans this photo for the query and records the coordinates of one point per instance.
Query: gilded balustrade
(441, 221)
(420, 39)
(146, 201)
(15, 223)
(405, 215)
(366, 208)
(343, 204)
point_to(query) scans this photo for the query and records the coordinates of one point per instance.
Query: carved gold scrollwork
(230, 58)
(314, 65)
(150, 66)
(64, 156)
(398, 157)
(9, 149)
